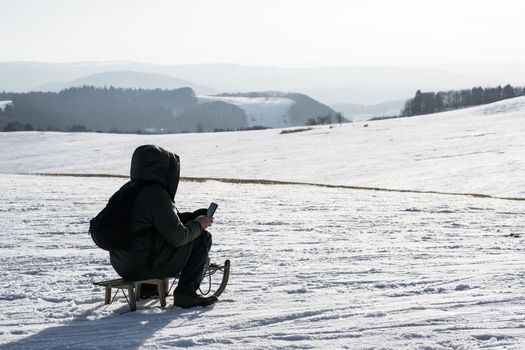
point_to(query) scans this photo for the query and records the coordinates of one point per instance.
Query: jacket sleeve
(168, 223)
(185, 217)
(188, 216)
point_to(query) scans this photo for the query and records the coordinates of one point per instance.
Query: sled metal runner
(131, 289)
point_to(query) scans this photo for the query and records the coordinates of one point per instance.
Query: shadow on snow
(121, 329)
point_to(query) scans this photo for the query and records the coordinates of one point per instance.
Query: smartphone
(211, 209)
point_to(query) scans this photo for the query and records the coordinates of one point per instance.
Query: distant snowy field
(3, 104)
(259, 110)
(323, 269)
(312, 267)
(479, 150)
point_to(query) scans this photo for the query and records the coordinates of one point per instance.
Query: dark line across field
(275, 182)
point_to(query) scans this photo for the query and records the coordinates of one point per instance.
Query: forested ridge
(117, 110)
(431, 102)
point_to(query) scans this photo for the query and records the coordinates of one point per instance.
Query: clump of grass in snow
(289, 131)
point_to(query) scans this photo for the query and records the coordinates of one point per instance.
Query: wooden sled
(131, 289)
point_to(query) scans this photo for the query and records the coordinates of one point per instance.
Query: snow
(3, 104)
(312, 267)
(265, 111)
(328, 269)
(475, 150)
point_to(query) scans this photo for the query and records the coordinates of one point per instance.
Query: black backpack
(110, 229)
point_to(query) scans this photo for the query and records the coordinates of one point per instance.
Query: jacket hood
(155, 164)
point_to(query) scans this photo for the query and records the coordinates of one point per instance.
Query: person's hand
(204, 221)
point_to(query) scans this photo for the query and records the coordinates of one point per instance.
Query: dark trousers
(191, 275)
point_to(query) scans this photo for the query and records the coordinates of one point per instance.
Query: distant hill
(128, 79)
(139, 110)
(432, 102)
(117, 109)
(274, 108)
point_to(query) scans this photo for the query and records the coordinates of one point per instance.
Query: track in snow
(274, 182)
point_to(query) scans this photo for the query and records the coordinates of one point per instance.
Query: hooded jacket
(160, 245)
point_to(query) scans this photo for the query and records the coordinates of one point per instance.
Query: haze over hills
(128, 79)
(365, 85)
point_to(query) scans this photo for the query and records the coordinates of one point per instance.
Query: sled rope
(208, 271)
(209, 284)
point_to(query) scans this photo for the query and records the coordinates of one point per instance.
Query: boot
(187, 301)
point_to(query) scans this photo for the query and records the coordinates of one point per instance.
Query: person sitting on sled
(164, 243)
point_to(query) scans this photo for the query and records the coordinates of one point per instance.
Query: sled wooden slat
(133, 289)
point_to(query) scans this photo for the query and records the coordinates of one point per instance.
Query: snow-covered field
(268, 111)
(326, 269)
(475, 150)
(312, 267)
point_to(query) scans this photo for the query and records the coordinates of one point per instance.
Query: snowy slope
(266, 111)
(312, 267)
(477, 150)
(323, 269)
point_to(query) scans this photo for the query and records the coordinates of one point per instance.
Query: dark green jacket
(161, 243)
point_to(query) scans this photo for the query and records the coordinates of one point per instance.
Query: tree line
(15, 125)
(116, 110)
(328, 118)
(431, 102)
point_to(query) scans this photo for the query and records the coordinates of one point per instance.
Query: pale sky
(288, 33)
